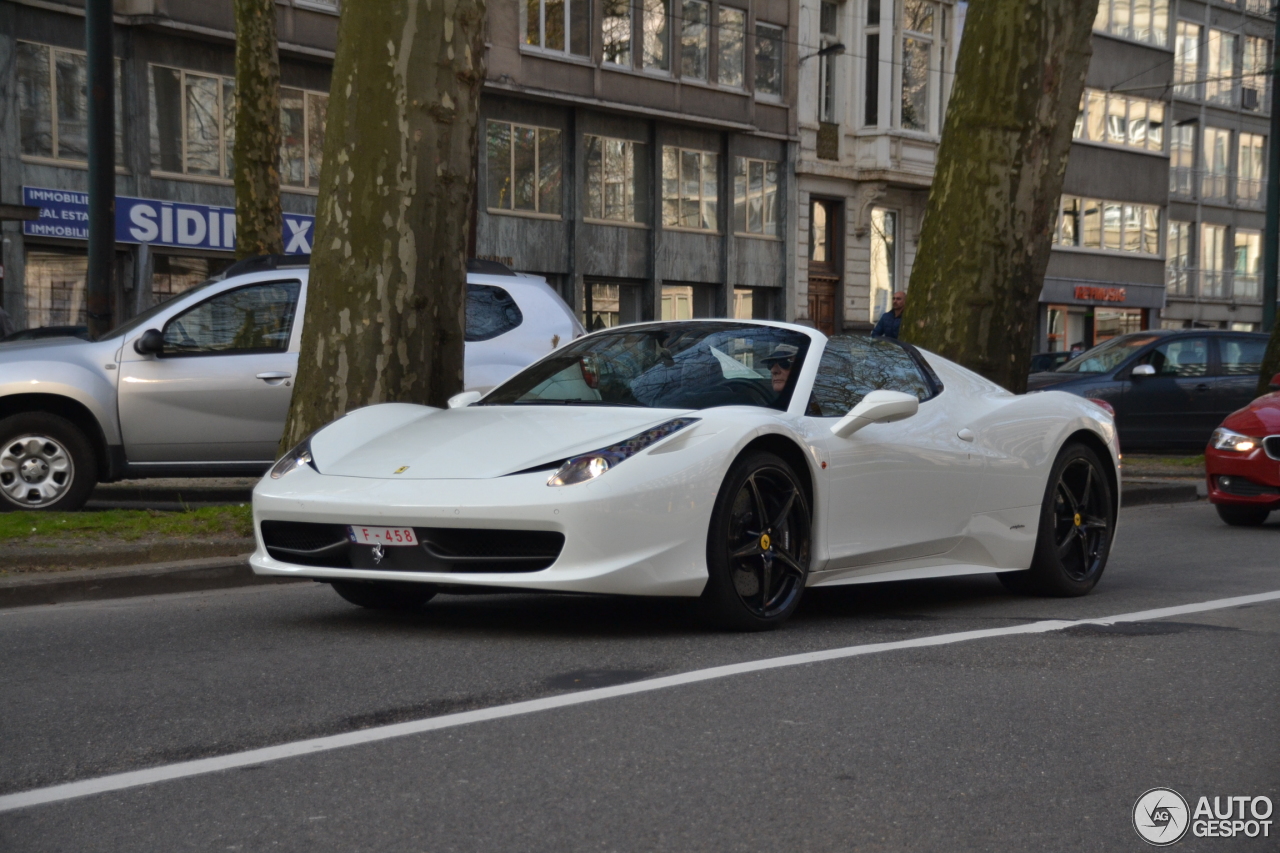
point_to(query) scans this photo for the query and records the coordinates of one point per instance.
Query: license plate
(384, 536)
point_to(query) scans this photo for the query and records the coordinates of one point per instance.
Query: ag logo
(1160, 817)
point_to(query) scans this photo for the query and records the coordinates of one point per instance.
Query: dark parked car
(1170, 389)
(1043, 361)
(81, 332)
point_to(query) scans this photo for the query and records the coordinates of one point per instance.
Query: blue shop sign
(65, 213)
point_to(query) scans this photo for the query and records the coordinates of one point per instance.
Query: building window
(610, 305)
(695, 42)
(769, 59)
(1217, 161)
(1111, 226)
(871, 79)
(690, 189)
(546, 23)
(192, 122)
(657, 35)
(524, 166)
(1248, 265)
(1221, 82)
(53, 103)
(1255, 69)
(828, 34)
(611, 180)
(1141, 20)
(733, 47)
(755, 197)
(1182, 160)
(1186, 61)
(615, 30)
(1250, 169)
(753, 303)
(1120, 120)
(1178, 258)
(884, 260)
(688, 301)
(302, 116)
(918, 18)
(1213, 261)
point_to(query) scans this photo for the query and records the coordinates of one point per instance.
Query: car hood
(1048, 379)
(474, 442)
(40, 347)
(1260, 418)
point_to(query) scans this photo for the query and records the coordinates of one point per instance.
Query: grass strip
(128, 524)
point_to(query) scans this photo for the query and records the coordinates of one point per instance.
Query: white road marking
(184, 769)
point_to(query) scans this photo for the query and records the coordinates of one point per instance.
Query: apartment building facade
(875, 79)
(638, 154)
(175, 68)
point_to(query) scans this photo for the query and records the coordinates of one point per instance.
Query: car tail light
(590, 375)
(1103, 404)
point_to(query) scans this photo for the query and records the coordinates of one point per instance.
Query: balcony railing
(1188, 183)
(1215, 285)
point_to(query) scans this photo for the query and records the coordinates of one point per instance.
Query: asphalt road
(1037, 741)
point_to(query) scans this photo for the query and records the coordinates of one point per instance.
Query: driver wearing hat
(780, 362)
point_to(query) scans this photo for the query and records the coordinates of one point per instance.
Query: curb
(26, 590)
(168, 552)
(1146, 492)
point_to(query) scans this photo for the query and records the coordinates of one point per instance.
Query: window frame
(1084, 123)
(309, 185)
(223, 141)
(764, 193)
(54, 136)
(780, 46)
(537, 212)
(638, 207)
(567, 51)
(680, 197)
(1108, 210)
(289, 338)
(1157, 36)
(689, 37)
(720, 28)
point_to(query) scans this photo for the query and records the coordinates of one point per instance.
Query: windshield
(688, 365)
(145, 317)
(1106, 357)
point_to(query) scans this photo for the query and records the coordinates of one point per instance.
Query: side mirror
(150, 343)
(1275, 383)
(466, 398)
(1143, 370)
(878, 407)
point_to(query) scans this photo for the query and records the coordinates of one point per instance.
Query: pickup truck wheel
(46, 463)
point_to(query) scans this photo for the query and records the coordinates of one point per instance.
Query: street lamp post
(102, 165)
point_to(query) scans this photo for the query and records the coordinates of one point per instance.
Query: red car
(1242, 461)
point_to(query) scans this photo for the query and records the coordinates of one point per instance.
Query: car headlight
(1225, 439)
(588, 466)
(299, 455)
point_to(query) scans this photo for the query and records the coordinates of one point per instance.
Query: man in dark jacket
(891, 321)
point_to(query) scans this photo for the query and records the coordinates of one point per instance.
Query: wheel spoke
(1087, 492)
(766, 577)
(751, 549)
(785, 511)
(789, 563)
(761, 518)
(1064, 489)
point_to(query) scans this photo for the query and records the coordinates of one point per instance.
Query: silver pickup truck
(200, 385)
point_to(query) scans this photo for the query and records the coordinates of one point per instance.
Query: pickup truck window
(252, 319)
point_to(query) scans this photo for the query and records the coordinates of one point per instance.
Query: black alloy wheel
(1076, 523)
(385, 595)
(758, 546)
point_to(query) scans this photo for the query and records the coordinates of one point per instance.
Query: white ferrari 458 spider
(733, 461)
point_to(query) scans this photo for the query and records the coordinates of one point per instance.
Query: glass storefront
(55, 283)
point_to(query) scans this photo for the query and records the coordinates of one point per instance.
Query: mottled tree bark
(385, 304)
(1270, 362)
(985, 241)
(256, 170)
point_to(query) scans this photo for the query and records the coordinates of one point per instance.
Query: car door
(1175, 405)
(219, 390)
(1239, 364)
(897, 491)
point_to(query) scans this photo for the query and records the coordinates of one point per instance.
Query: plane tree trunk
(985, 241)
(385, 305)
(256, 170)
